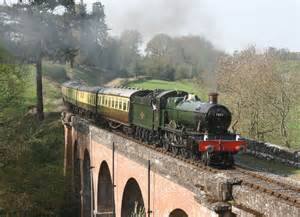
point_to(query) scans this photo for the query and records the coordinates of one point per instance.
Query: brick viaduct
(114, 176)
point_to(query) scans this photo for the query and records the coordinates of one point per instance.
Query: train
(174, 120)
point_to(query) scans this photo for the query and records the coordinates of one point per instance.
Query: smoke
(172, 17)
(151, 17)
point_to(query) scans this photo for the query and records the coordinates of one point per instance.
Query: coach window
(127, 105)
(113, 102)
(120, 104)
(124, 106)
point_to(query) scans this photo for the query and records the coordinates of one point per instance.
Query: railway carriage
(115, 104)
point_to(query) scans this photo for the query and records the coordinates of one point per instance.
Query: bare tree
(259, 92)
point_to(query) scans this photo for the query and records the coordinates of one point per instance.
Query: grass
(184, 85)
(268, 166)
(51, 90)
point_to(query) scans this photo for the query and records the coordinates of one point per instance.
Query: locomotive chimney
(213, 98)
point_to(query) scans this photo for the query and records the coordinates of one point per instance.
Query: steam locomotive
(174, 120)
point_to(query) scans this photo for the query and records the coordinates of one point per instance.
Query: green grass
(55, 72)
(184, 85)
(61, 73)
(93, 77)
(294, 127)
(268, 166)
(51, 90)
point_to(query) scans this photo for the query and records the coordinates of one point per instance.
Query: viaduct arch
(132, 200)
(87, 185)
(105, 197)
(178, 213)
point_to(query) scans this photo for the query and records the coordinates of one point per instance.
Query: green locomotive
(175, 120)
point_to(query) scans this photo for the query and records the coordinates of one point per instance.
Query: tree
(130, 42)
(36, 33)
(159, 46)
(260, 93)
(92, 34)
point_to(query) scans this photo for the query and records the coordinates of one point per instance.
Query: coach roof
(125, 92)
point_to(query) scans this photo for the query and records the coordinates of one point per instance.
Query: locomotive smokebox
(213, 98)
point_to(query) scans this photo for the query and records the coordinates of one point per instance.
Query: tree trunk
(72, 63)
(39, 90)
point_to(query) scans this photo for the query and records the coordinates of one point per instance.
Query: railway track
(271, 186)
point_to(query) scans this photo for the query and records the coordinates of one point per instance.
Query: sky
(229, 24)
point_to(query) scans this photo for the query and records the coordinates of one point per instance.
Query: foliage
(165, 57)
(138, 211)
(33, 181)
(261, 94)
(34, 31)
(91, 35)
(179, 57)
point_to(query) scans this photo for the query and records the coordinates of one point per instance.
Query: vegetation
(267, 166)
(262, 91)
(31, 152)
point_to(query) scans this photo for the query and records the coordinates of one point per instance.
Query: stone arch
(76, 177)
(178, 213)
(105, 196)
(132, 200)
(87, 187)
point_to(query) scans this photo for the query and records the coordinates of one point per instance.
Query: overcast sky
(229, 24)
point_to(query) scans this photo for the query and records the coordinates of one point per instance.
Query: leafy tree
(92, 34)
(159, 46)
(130, 41)
(35, 33)
(189, 56)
